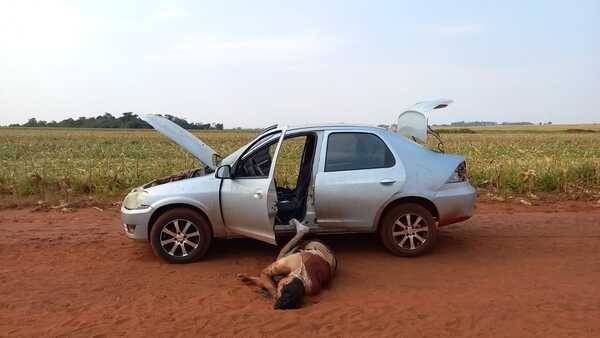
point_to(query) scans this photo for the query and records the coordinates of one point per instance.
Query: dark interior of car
(291, 203)
(257, 165)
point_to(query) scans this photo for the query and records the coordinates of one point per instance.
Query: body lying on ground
(305, 269)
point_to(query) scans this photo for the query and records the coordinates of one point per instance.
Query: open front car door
(249, 198)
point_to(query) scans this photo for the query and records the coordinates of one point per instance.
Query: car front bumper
(135, 222)
(455, 203)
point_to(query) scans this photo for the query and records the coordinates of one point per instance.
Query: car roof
(330, 126)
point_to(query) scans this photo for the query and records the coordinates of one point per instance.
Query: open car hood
(413, 122)
(183, 138)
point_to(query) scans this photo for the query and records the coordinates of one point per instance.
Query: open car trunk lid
(413, 122)
(183, 138)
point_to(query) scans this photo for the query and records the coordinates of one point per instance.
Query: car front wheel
(408, 230)
(180, 236)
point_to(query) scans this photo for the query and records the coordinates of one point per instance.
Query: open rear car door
(413, 122)
(249, 202)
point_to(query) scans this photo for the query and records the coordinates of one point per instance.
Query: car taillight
(459, 174)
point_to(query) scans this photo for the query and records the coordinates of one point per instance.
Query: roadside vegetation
(66, 164)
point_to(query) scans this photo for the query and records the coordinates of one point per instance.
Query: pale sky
(255, 63)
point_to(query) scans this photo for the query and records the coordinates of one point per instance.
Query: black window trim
(393, 164)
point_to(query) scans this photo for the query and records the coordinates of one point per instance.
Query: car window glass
(257, 161)
(354, 151)
(231, 158)
(260, 143)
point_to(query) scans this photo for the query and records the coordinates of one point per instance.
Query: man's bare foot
(300, 228)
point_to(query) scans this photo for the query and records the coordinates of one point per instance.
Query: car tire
(408, 230)
(180, 235)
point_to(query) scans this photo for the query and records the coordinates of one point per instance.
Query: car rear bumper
(455, 203)
(135, 222)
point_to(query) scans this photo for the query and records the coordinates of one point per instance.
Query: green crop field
(553, 128)
(67, 163)
(518, 163)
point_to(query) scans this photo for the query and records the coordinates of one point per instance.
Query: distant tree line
(127, 120)
(484, 123)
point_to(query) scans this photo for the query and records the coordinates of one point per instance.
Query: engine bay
(178, 177)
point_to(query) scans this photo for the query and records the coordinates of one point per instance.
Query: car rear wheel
(180, 236)
(408, 230)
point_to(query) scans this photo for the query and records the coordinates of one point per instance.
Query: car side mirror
(224, 172)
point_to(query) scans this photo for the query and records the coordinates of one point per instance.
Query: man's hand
(242, 277)
(265, 289)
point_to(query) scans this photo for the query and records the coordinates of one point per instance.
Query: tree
(127, 120)
(32, 122)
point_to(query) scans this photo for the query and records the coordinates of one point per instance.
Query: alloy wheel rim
(179, 237)
(410, 231)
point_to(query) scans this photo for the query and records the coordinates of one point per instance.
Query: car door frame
(263, 232)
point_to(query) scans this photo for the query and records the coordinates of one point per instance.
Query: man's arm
(301, 230)
(265, 280)
(282, 264)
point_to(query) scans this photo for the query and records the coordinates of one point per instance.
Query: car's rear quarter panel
(426, 175)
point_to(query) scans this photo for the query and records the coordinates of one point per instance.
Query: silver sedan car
(346, 179)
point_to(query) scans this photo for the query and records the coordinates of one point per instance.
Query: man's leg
(301, 230)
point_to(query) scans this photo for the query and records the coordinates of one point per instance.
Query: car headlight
(136, 199)
(459, 175)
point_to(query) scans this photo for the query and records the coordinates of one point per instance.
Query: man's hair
(291, 295)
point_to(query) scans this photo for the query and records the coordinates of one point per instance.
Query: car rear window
(355, 151)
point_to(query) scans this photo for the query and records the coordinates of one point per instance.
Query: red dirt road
(509, 271)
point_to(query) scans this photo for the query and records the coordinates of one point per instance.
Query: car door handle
(258, 195)
(386, 181)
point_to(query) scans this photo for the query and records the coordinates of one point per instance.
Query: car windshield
(229, 159)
